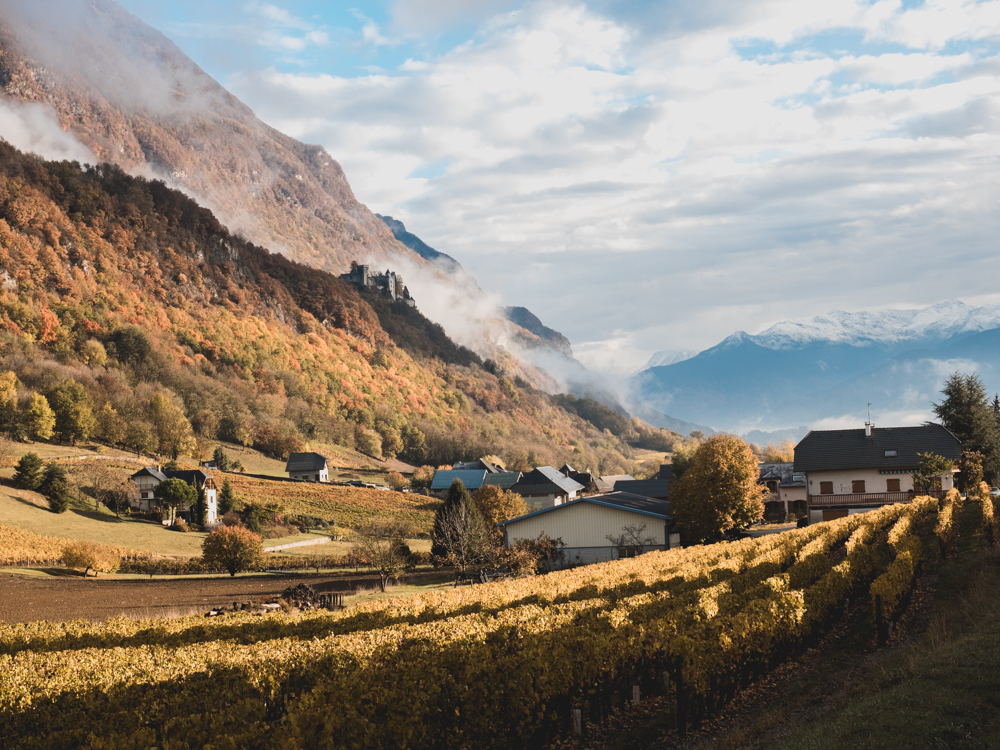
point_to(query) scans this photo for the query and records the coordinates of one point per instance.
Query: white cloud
(35, 129)
(641, 184)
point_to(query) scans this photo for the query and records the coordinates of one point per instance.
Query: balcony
(869, 498)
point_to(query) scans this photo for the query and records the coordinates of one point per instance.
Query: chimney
(868, 429)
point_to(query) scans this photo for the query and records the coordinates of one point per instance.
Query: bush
(395, 480)
(90, 556)
(234, 548)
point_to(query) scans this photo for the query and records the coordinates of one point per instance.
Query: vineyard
(20, 547)
(507, 664)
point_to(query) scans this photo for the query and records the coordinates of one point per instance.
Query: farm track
(29, 599)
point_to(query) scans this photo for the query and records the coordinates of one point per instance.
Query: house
(786, 491)
(655, 488)
(309, 467)
(850, 471)
(472, 479)
(641, 524)
(147, 479)
(545, 487)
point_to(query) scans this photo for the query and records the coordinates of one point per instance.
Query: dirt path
(29, 598)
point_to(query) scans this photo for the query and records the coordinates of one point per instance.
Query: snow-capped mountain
(886, 328)
(668, 357)
(829, 368)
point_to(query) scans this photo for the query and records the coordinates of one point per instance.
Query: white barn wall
(585, 525)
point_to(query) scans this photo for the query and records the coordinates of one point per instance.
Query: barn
(601, 527)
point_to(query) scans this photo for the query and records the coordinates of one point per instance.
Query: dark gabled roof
(546, 475)
(784, 472)
(305, 462)
(189, 476)
(645, 487)
(566, 470)
(504, 479)
(472, 480)
(620, 500)
(478, 464)
(831, 450)
(150, 471)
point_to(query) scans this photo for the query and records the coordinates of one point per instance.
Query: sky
(648, 176)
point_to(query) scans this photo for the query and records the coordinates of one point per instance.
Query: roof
(784, 472)
(478, 464)
(545, 475)
(189, 475)
(566, 470)
(305, 462)
(150, 471)
(830, 450)
(620, 500)
(472, 480)
(645, 487)
(504, 480)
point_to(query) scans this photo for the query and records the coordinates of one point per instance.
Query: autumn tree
(680, 462)
(783, 452)
(90, 556)
(37, 420)
(719, 492)
(422, 478)
(382, 542)
(496, 505)
(8, 401)
(463, 538)
(966, 411)
(74, 419)
(970, 471)
(395, 480)
(111, 426)
(632, 539)
(174, 493)
(140, 437)
(173, 430)
(234, 548)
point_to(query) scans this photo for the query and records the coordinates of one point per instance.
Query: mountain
(442, 260)
(659, 359)
(129, 95)
(179, 332)
(829, 367)
(523, 317)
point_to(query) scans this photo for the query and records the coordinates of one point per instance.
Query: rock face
(133, 98)
(523, 317)
(442, 260)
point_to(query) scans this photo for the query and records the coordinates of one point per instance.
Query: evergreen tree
(457, 496)
(967, 412)
(221, 459)
(200, 509)
(55, 487)
(28, 472)
(226, 501)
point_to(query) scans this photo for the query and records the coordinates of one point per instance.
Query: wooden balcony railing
(870, 498)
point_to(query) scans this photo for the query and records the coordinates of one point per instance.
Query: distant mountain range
(829, 368)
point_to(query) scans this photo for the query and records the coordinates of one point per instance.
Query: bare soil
(25, 598)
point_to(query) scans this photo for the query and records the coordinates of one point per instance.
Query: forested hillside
(179, 332)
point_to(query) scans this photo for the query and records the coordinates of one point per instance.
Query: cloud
(647, 178)
(34, 128)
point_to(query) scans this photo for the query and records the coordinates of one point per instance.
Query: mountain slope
(132, 97)
(180, 333)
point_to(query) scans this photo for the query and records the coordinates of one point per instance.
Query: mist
(35, 129)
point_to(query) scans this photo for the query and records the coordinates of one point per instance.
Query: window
(858, 486)
(892, 485)
(890, 454)
(826, 488)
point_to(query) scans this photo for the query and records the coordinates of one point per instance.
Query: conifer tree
(28, 472)
(200, 509)
(227, 499)
(55, 487)
(457, 497)
(967, 412)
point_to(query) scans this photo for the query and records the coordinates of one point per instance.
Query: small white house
(633, 523)
(147, 479)
(308, 467)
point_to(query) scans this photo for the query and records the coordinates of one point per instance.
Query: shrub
(234, 548)
(395, 480)
(90, 556)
